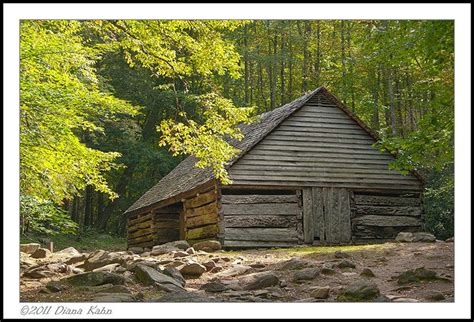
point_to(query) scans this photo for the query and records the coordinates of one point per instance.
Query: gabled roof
(186, 176)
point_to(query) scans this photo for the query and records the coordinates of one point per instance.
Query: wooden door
(326, 215)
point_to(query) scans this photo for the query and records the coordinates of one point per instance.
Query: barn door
(326, 215)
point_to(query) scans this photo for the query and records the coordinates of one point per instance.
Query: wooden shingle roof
(186, 176)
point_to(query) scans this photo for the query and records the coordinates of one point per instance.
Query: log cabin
(307, 173)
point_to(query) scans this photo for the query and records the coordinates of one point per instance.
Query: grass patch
(332, 249)
(86, 241)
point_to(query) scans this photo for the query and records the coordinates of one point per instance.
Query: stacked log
(383, 216)
(201, 217)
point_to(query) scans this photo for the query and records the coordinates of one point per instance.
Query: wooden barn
(306, 174)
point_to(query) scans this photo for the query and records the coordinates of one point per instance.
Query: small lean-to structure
(306, 174)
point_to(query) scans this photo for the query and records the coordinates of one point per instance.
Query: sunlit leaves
(207, 141)
(60, 102)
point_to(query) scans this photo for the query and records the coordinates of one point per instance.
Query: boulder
(149, 276)
(360, 291)
(417, 275)
(293, 264)
(38, 273)
(68, 252)
(339, 254)
(450, 240)
(216, 269)
(107, 268)
(320, 292)
(75, 259)
(213, 287)
(328, 269)
(234, 270)
(404, 237)
(346, 264)
(180, 253)
(29, 248)
(54, 287)
(305, 274)
(192, 270)
(175, 274)
(367, 272)
(208, 246)
(209, 265)
(41, 253)
(169, 247)
(424, 237)
(258, 281)
(434, 296)
(407, 237)
(114, 297)
(94, 279)
(101, 258)
(136, 250)
(26, 260)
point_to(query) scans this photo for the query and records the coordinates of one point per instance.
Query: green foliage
(439, 203)
(86, 241)
(207, 141)
(61, 102)
(44, 217)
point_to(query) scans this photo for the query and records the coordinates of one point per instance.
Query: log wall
(200, 217)
(261, 220)
(383, 215)
(154, 227)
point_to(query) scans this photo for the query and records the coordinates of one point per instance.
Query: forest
(109, 107)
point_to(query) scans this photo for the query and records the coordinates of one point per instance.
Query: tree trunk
(393, 114)
(282, 67)
(343, 62)
(88, 206)
(318, 53)
(120, 190)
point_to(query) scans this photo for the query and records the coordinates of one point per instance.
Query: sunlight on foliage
(207, 141)
(42, 216)
(60, 102)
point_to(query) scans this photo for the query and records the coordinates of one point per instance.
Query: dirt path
(386, 262)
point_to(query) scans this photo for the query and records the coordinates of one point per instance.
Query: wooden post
(182, 222)
(308, 222)
(51, 246)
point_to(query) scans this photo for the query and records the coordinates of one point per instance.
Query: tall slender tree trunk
(343, 63)
(351, 65)
(282, 66)
(375, 121)
(246, 67)
(88, 206)
(393, 114)
(305, 33)
(318, 54)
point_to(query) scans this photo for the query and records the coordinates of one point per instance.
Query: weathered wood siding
(319, 145)
(383, 216)
(200, 217)
(261, 220)
(154, 227)
(327, 215)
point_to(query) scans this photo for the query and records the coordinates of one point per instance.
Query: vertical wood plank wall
(327, 215)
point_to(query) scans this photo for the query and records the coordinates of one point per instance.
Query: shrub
(44, 217)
